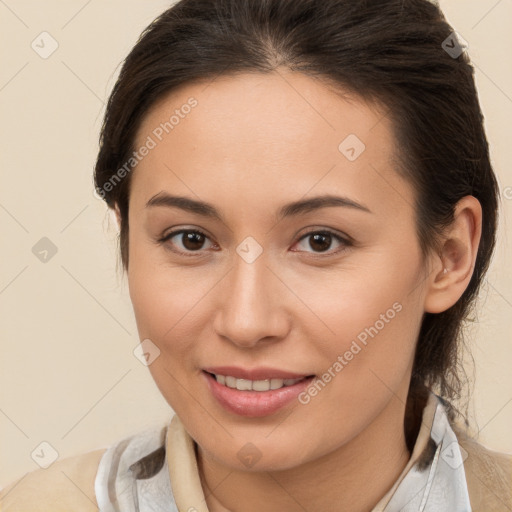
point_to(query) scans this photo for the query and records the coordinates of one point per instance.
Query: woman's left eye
(320, 241)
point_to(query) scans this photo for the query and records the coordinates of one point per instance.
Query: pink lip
(261, 373)
(253, 404)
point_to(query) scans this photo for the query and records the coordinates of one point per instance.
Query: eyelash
(345, 241)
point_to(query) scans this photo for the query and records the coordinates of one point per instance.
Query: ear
(453, 267)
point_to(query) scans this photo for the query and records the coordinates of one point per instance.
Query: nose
(252, 306)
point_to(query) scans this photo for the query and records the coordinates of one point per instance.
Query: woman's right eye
(188, 241)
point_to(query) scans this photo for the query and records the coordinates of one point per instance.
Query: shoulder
(488, 475)
(80, 483)
(67, 485)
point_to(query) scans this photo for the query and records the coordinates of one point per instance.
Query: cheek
(164, 311)
(160, 294)
(371, 341)
(371, 292)
(170, 307)
(161, 304)
(365, 368)
(366, 324)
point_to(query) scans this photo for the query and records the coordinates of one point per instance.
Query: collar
(156, 471)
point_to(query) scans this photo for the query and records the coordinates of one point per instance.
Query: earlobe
(454, 265)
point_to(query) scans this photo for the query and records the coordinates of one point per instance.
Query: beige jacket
(69, 484)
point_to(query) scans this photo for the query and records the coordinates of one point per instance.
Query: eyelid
(331, 231)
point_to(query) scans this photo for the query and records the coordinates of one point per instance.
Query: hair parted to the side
(384, 51)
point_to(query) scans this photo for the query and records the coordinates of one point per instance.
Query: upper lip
(261, 373)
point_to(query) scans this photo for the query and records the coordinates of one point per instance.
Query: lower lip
(254, 404)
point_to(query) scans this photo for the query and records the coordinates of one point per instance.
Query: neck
(357, 474)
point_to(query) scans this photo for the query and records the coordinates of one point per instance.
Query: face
(333, 291)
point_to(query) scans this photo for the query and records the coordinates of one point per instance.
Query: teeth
(276, 383)
(254, 385)
(243, 385)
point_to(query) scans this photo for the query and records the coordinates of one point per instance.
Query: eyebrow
(301, 206)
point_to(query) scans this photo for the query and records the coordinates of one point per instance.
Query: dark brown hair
(399, 53)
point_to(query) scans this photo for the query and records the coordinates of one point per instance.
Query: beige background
(67, 372)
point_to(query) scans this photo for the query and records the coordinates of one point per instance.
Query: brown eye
(321, 241)
(192, 241)
(185, 240)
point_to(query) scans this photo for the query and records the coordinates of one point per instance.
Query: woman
(307, 210)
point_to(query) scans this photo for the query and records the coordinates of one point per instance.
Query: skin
(253, 143)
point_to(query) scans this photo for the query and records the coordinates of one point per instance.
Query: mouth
(254, 398)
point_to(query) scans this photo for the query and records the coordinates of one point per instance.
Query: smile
(254, 385)
(254, 398)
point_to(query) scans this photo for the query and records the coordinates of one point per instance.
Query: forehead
(282, 132)
(282, 108)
